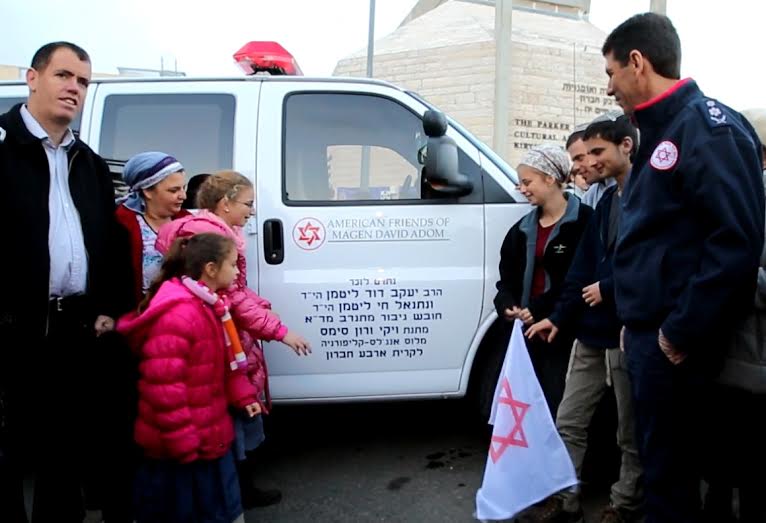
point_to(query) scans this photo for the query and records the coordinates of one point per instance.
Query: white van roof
(252, 78)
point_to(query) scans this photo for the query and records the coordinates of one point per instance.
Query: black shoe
(550, 510)
(255, 497)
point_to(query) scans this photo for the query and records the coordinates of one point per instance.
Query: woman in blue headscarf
(156, 194)
(156, 183)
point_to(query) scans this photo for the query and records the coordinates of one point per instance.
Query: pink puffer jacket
(185, 385)
(251, 313)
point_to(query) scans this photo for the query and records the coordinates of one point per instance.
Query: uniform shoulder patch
(665, 156)
(713, 113)
(2, 135)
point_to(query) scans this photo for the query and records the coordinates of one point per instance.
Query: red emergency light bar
(266, 57)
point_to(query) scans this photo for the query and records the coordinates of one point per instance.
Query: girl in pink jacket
(187, 385)
(226, 201)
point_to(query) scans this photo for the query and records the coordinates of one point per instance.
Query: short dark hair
(577, 135)
(651, 34)
(192, 189)
(42, 57)
(614, 131)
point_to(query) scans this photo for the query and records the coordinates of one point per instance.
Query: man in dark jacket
(687, 253)
(62, 281)
(586, 308)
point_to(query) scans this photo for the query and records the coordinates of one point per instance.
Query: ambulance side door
(385, 279)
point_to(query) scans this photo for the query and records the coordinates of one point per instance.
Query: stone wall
(556, 82)
(11, 72)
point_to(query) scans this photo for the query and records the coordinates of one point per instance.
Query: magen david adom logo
(665, 156)
(309, 234)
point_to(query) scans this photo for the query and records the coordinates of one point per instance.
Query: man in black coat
(64, 284)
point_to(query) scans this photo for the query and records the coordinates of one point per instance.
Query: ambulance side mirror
(441, 158)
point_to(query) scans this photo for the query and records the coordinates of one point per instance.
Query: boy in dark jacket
(587, 308)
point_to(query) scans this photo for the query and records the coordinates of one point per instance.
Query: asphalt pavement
(419, 461)
(415, 461)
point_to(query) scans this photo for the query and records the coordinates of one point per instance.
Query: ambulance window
(350, 147)
(7, 103)
(198, 129)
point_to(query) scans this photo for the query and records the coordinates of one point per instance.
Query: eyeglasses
(248, 204)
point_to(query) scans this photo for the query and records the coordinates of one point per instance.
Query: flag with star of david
(527, 461)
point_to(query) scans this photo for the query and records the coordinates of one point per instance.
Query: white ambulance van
(389, 269)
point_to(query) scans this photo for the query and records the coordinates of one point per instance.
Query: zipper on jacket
(71, 160)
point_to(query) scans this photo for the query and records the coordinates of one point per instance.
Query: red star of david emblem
(515, 437)
(663, 155)
(309, 233)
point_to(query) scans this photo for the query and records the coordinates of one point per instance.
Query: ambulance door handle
(273, 242)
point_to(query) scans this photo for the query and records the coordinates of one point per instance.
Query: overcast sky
(721, 43)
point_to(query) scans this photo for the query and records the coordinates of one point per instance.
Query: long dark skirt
(550, 361)
(198, 492)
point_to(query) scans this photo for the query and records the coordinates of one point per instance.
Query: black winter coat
(25, 265)
(596, 326)
(517, 258)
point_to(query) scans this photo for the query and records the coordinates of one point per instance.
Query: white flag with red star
(527, 460)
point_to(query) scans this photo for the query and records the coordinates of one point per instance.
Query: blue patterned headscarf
(146, 170)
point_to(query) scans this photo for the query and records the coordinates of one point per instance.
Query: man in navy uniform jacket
(688, 249)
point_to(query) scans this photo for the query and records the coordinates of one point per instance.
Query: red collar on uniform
(661, 97)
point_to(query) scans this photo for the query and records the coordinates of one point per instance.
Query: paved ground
(402, 462)
(387, 462)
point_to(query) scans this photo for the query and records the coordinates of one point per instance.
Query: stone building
(445, 51)
(11, 72)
